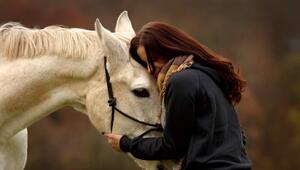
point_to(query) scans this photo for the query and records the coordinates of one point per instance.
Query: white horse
(43, 70)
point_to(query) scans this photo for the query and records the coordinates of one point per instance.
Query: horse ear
(110, 44)
(101, 31)
(98, 28)
(124, 25)
(107, 39)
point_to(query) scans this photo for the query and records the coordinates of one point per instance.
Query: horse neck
(33, 88)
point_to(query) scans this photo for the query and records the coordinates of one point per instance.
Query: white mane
(17, 41)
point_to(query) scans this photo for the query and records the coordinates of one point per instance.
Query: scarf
(171, 67)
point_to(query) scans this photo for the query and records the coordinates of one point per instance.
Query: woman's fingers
(113, 140)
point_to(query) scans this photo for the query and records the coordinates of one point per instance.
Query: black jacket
(201, 125)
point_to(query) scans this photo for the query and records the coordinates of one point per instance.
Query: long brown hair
(164, 41)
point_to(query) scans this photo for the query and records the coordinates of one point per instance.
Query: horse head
(133, 87)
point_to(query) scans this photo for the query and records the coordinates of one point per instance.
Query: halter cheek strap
(112, 102)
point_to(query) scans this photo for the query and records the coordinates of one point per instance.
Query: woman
(199, 89)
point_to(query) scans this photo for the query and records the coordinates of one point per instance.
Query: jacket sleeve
(180, 107)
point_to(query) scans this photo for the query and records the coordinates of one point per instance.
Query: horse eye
(141, 92)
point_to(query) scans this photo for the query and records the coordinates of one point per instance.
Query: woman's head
(161, 42)
(158, 42)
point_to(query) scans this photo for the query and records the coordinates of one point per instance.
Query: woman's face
(157, 64)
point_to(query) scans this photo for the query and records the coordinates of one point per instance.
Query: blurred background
(261, 37)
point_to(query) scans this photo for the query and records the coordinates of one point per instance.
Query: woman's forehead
(141, 51)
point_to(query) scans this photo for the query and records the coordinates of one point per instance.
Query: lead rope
(112, 102)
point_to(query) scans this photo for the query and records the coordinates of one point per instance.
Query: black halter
(112, 101)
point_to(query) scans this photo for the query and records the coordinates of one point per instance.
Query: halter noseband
(112, 102)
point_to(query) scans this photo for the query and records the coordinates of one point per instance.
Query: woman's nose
(148, 68)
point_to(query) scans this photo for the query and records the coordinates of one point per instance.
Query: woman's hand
(114, 140)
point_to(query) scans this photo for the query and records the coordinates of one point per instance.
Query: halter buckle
(112, 102)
